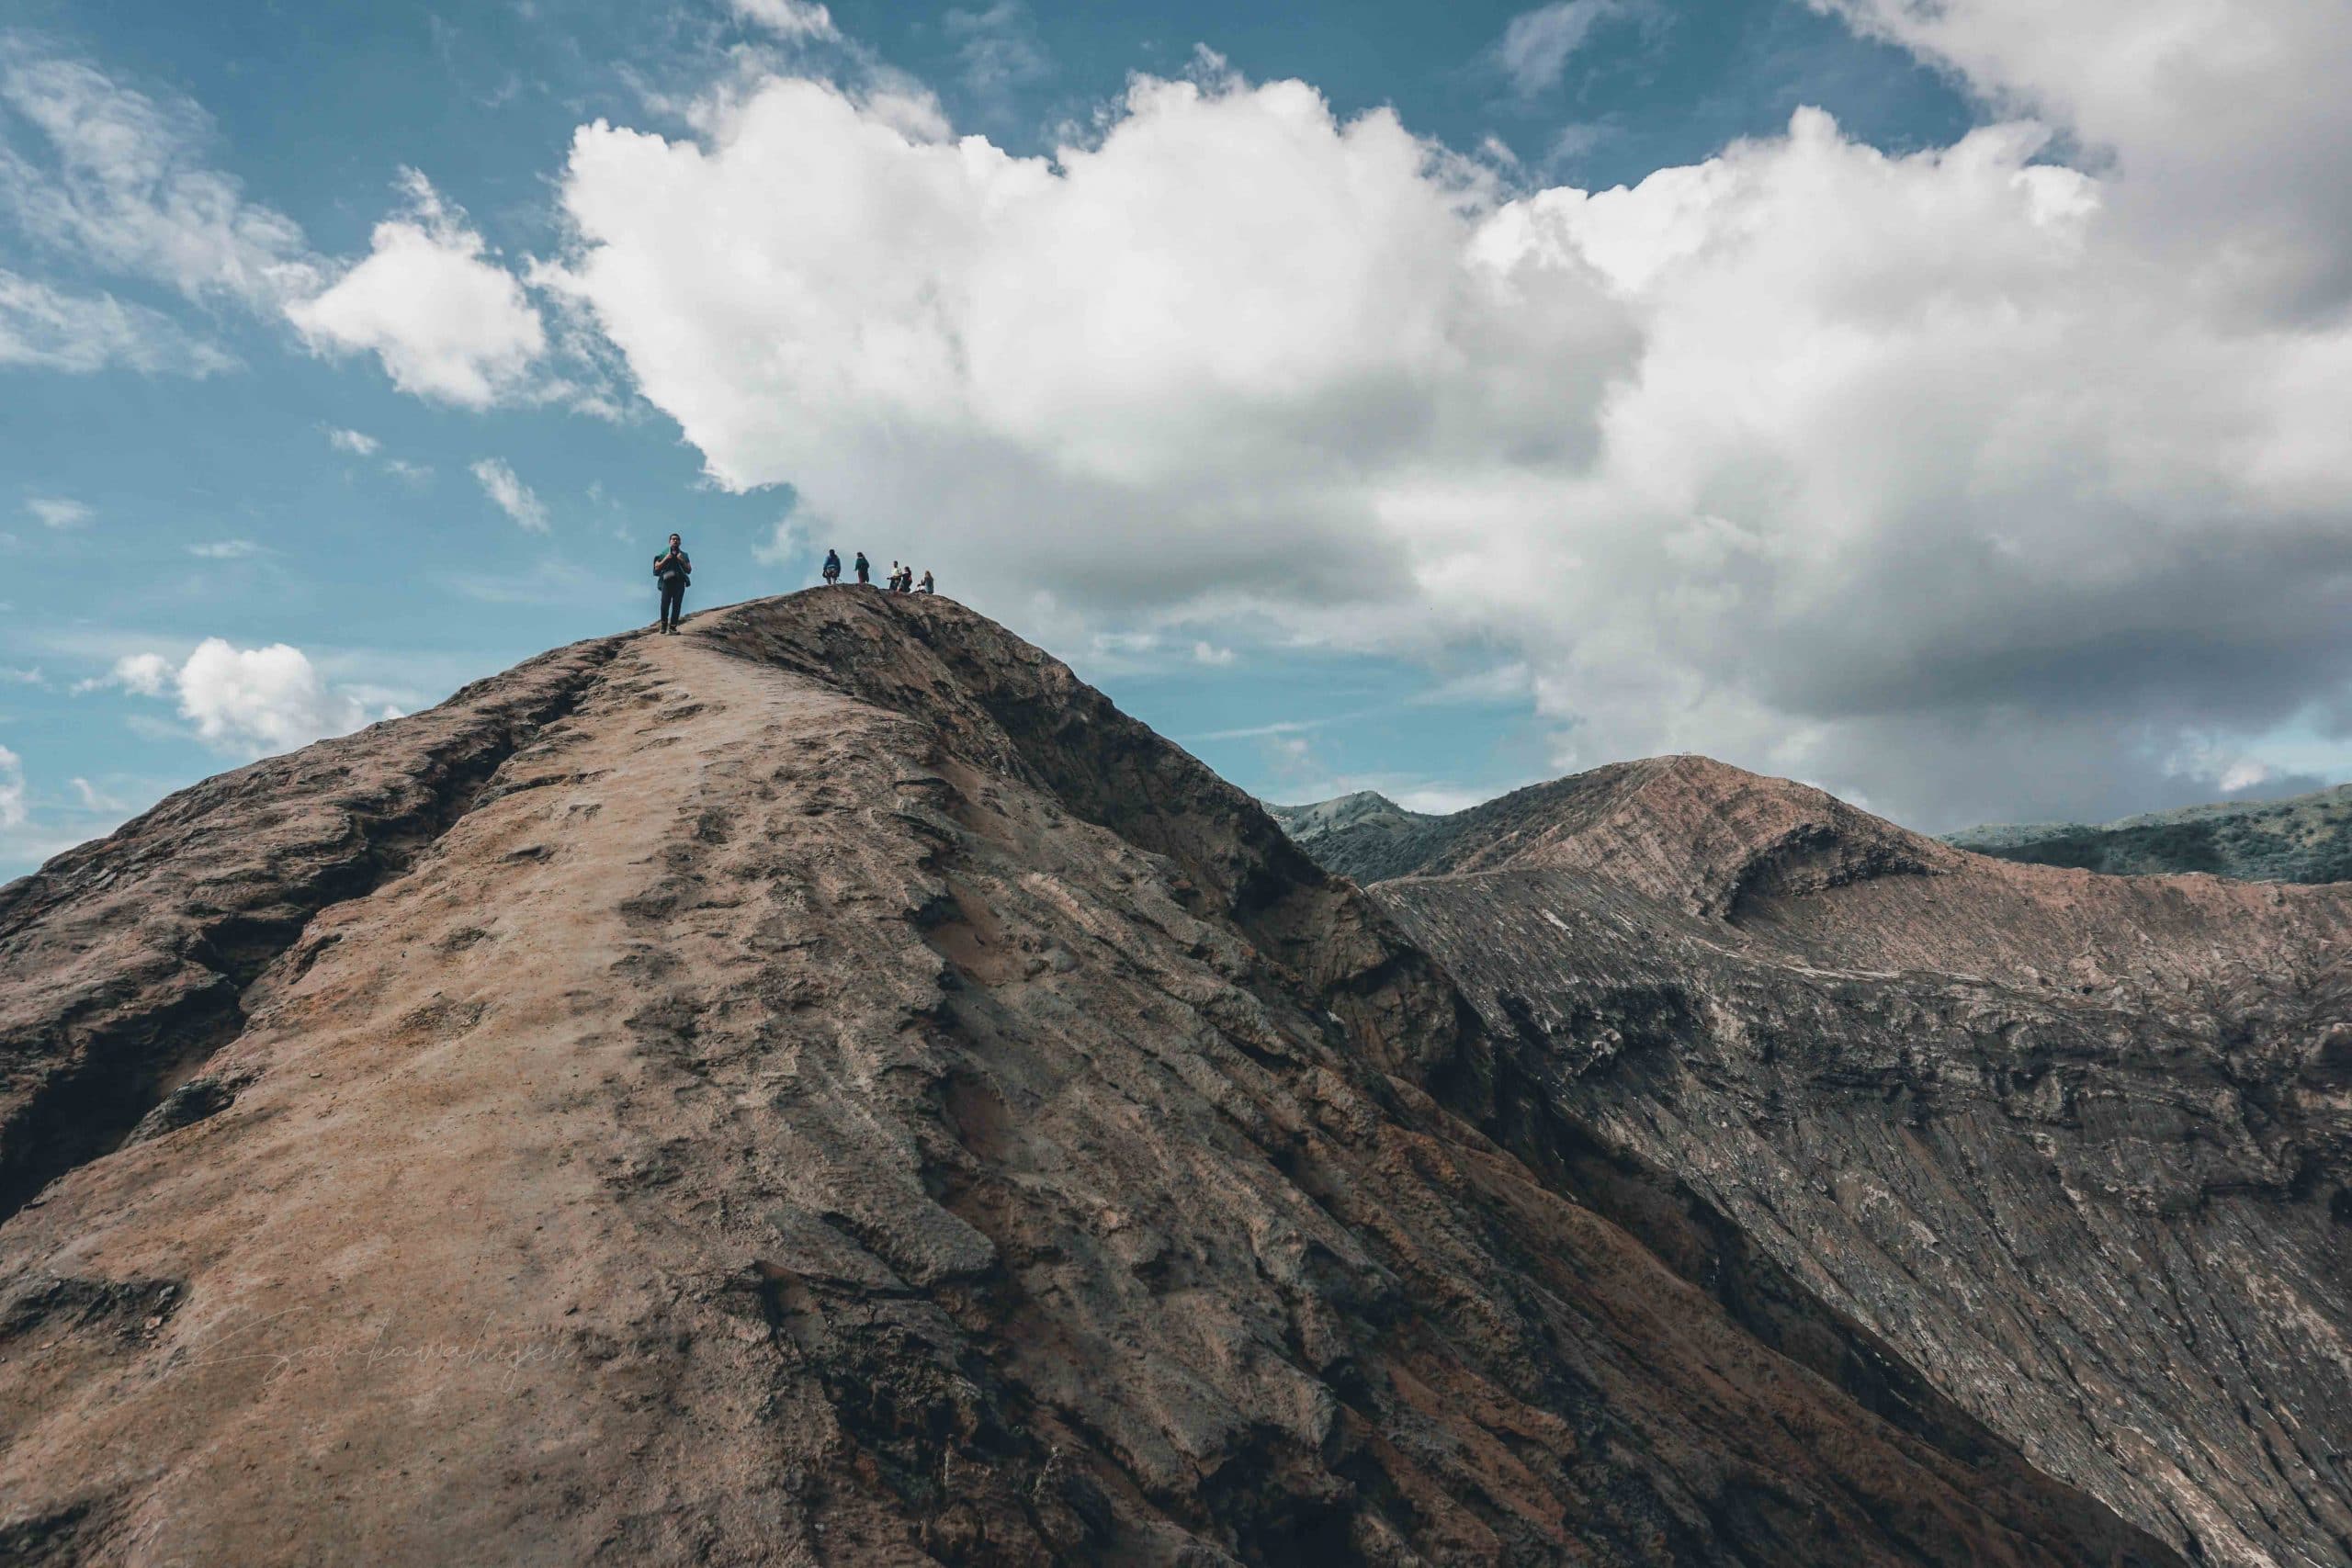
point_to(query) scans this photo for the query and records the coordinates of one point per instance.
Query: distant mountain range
(1365, 835)
(2305, 838)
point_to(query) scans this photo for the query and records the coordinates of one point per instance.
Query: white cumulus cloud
(511, 495)
(249, 700)
(2228, 125)
(353, 441)
(146, 673)
(1938, 478)
(446, 321)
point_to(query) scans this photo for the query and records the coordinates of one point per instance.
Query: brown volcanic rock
(1686, 831)
(2077, 1146)
(829, 1089)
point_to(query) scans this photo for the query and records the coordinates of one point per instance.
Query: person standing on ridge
(832, 566)
(673, 571)
(865, 572)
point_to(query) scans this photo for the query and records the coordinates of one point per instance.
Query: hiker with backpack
(673, 571)
(832, 568)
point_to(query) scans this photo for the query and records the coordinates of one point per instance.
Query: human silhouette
(673, 571)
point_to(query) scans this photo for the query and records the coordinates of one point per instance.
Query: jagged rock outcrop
(2305, 838)
(2079, 1147)
(828, 1088)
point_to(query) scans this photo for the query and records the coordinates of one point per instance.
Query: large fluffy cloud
(446, 321)
(1959, 481)
(2227, 124)
(1195, 356)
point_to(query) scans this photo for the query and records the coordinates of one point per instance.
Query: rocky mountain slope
(2307, 838)
(2078, 1147)
(827, 1088)
(1366, 835)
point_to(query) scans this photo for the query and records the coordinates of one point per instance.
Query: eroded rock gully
(835, 1091)
(2074, 1147)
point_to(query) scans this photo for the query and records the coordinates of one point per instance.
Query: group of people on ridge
(902, 578)
(672, 570)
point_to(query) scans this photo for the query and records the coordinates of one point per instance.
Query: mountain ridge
(827, 1086)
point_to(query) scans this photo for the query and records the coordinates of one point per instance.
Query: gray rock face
(2307, 838)
(2074, 1145)
(828, 1088)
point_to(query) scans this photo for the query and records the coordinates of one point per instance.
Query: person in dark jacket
(832, 566)
(926, 586)
(865, 572)
(673, 571)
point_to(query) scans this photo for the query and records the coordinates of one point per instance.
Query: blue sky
(192, 450)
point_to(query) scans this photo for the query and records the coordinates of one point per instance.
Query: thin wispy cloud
(1534, 52)
(43, 327)
(59, 512)
(799, 20)
(123, 181)
(510, 494)
(1278, 726)
(92, 798)
(998, 49)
